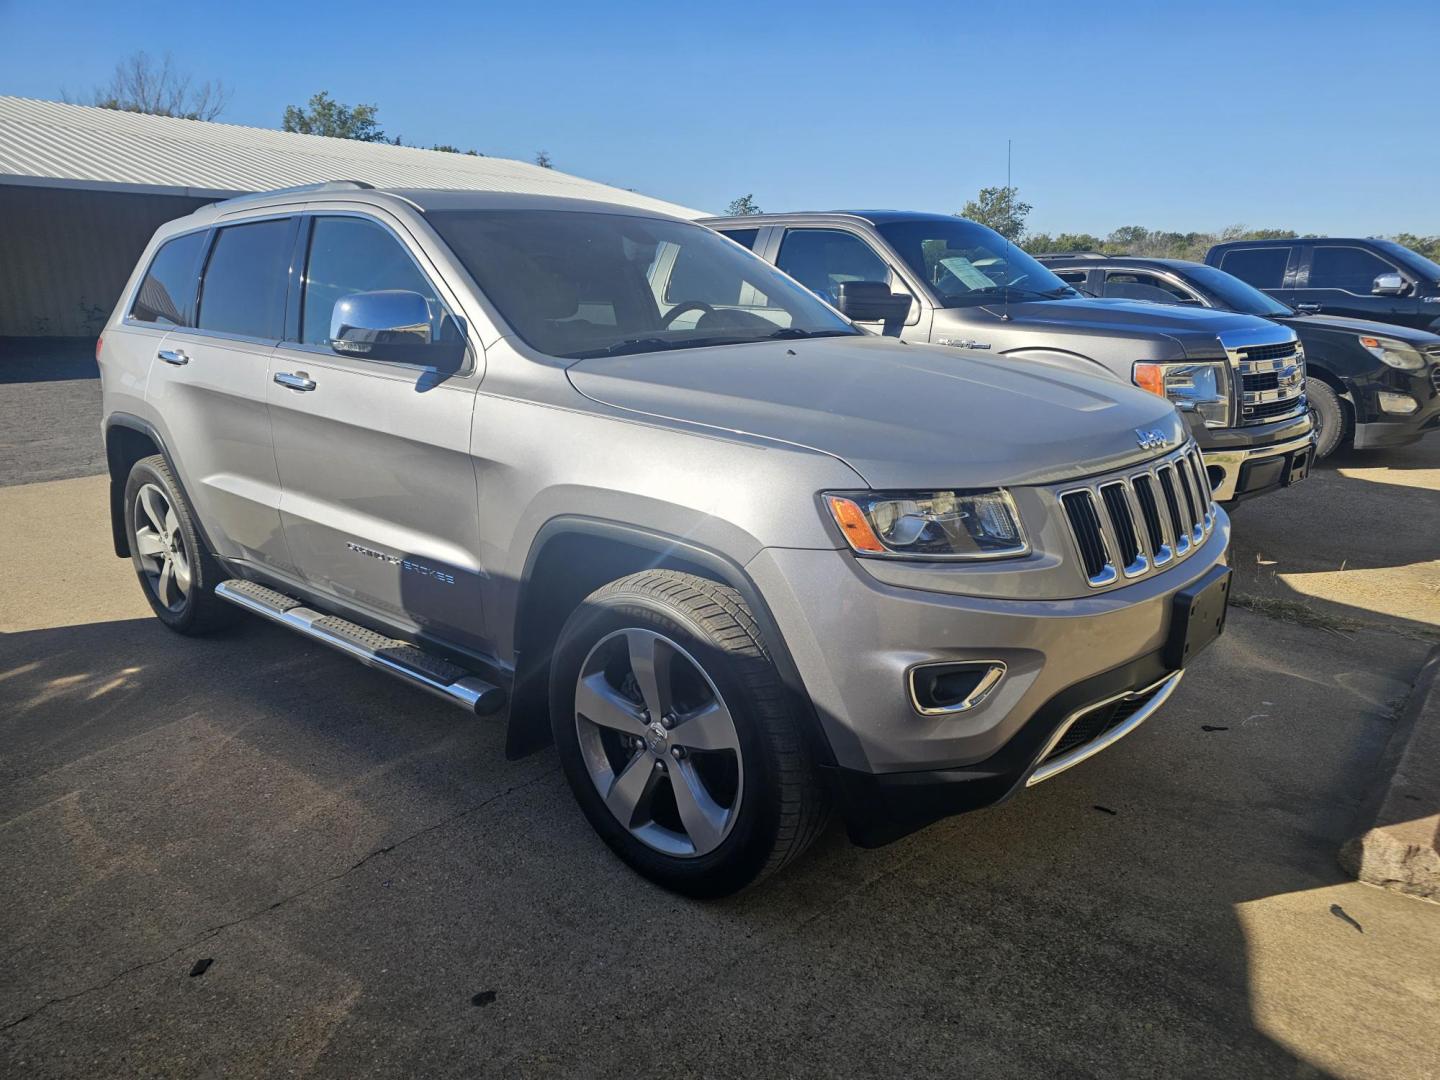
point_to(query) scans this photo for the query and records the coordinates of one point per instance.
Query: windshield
(968, 265)
(576, 284)
(1412, 260)
(1228, 291)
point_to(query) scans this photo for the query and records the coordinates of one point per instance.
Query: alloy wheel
(659, 742)
(160, 546)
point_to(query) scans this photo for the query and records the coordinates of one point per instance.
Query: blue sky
(1315, 116)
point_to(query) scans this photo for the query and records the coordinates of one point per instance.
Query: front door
(1341, 280)
(209, 382)
(380, 505)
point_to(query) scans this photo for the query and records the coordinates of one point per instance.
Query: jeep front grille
(1271, 381)
(1137, 523)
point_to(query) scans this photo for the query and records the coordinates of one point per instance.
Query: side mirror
(1390, 285)
(872, 301)
(393, 325)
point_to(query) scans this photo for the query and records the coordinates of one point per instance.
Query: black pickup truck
(1359, 279)
(1370, 383)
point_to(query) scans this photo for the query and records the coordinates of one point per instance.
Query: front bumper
(854, 639)
(1241, 473)
(1375, 427)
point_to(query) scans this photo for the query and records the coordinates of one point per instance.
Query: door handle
(295, 381)
(173, 356)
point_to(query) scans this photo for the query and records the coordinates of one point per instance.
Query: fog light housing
(941, 689)
(1400, 404)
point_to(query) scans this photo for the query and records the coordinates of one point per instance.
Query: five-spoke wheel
(160, 547)
(659, 742)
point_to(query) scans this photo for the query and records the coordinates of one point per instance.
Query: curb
(1395, 842)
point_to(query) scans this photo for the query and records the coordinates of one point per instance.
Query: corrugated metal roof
(54, 144)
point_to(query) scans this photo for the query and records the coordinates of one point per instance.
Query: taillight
(99, 344)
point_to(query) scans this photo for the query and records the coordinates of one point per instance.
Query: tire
(763, 800)
(161, 531)
(1328, 413)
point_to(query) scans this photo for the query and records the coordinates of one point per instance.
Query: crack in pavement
(213, 931)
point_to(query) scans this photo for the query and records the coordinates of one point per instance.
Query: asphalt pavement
(249, 856)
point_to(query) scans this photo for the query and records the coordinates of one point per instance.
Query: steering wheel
(682, 307)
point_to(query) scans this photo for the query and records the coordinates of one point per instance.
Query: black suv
(1378, 385)
(1362, 279)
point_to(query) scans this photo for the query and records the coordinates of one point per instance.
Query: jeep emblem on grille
(1151, 438)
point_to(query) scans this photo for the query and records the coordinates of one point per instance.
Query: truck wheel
(176, 572)
(677, 736)
(1328, 413)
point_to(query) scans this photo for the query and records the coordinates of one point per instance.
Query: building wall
(66, 254)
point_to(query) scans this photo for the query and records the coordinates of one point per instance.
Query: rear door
(1269, 268)
(380, 506)
(208, 384)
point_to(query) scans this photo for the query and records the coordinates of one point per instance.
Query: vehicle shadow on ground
(361, 862)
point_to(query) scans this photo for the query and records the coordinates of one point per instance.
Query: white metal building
(82, 189)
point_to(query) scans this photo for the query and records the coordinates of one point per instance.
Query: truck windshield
(574, 284)
(1228, 291)
(968, 265)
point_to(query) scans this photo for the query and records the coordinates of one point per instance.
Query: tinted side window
(1072, 277)
(696, 278)
(1262, 267)
(743, 237)
(169, 286)
(350, 255)
(1132, 285)
(820, 259)
(1349, 268)
(246, 277)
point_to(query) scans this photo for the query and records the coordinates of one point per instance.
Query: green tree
(542, 158)
(1040, 243)
(326, 116)
(1001, 209)
(743, 206)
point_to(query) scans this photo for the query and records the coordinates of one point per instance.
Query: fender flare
(676, 553)
(131, 422)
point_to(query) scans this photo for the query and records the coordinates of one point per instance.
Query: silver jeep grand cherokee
(743, 561)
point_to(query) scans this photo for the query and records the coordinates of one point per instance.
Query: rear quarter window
(168, 288)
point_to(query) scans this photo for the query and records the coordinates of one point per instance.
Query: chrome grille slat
(1270, 381)
(1139, 522)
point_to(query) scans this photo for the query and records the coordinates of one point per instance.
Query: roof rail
(328, 185)
(1073, 255)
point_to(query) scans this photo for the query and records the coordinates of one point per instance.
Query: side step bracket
(398, 658)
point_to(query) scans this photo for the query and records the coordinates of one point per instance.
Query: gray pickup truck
(1238, 380)
(742, 561)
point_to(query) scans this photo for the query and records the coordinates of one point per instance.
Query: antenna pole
(1008, 195)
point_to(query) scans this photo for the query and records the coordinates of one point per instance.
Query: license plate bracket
(1197, 617)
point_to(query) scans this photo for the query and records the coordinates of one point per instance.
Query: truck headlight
(1395, 353)
(930, 524)
(1202, 388)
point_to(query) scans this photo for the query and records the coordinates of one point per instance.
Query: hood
(1194, 331)
(1340, 325)
(902, 416)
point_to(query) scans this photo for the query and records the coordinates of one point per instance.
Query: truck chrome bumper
(1230, 462)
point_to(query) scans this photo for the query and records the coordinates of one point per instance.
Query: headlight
(1395, 353)
(930, 524)
(1202, 388)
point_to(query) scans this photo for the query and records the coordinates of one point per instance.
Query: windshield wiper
(800, 332)
(655, 344)
(1047, 294)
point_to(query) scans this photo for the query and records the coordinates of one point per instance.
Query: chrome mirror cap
(363, 320)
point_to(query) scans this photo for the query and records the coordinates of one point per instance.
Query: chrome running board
(398, 658)
(1159, 693)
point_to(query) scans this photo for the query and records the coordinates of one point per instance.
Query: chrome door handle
(296, 381)
(173, 356)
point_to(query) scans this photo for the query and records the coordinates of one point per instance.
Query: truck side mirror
(872, 301)
(1390, 285)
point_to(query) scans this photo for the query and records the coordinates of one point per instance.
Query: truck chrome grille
(1271, 381)
(1137, 523)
